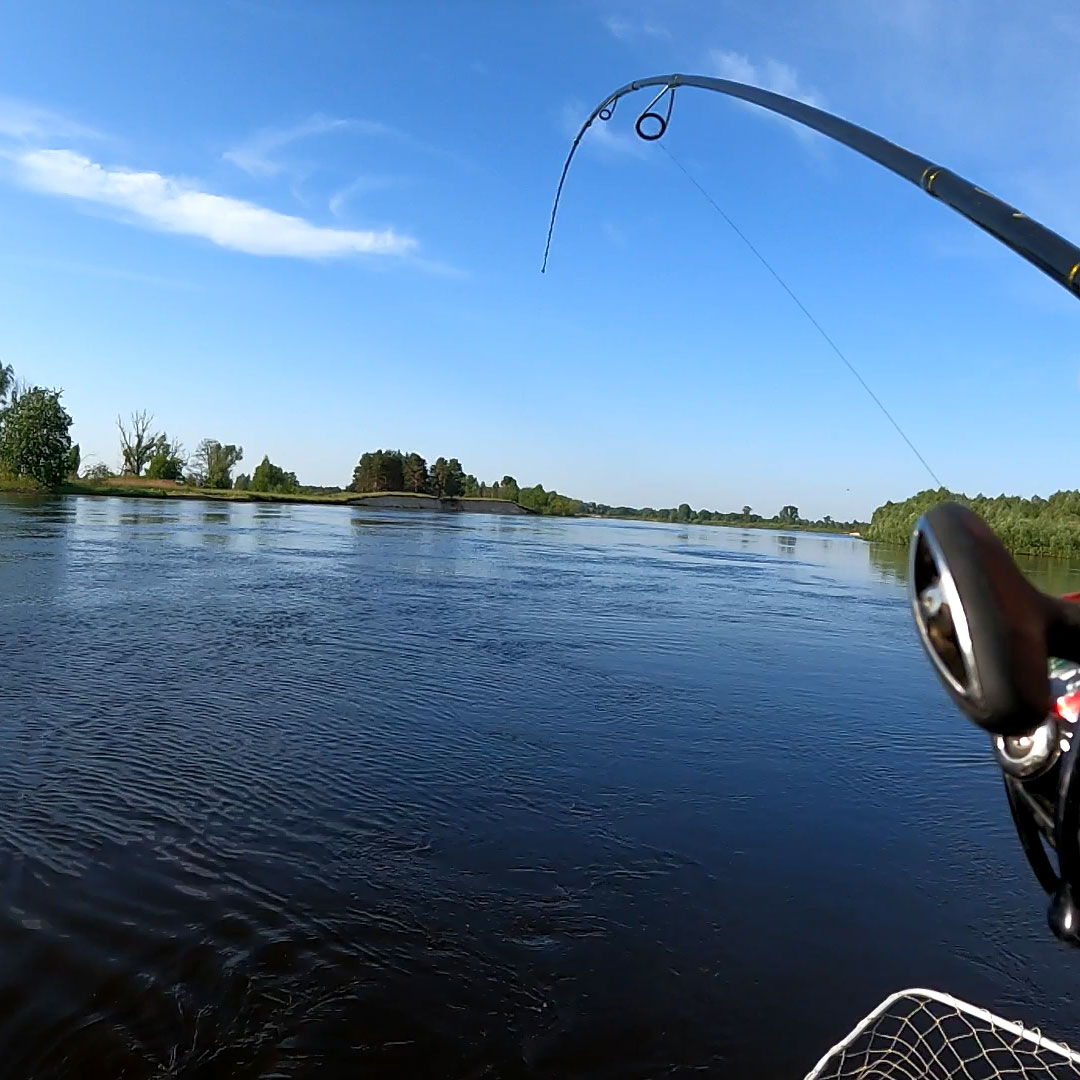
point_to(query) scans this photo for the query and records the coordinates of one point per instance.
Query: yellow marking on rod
(1071, 279)
(928, 180)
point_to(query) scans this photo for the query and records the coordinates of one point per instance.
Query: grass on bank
(133, 487)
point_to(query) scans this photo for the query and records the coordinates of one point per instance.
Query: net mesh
(918, 1034)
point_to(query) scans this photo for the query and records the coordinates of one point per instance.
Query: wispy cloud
(601, 135)
(345, 194)
(268, 153)
(772, 75)
(259, 154)
(25, 122)
(160, 202)
(630, 29)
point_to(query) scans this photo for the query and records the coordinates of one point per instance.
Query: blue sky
(314, 228)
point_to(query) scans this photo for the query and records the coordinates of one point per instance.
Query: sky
(315, 227)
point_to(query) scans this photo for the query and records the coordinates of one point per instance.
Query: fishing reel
(1009, 656)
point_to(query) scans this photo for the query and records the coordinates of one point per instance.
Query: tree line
(1034, 526)
(35, 444)
(398, 471)
(787, 517)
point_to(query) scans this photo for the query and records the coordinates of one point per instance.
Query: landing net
(926, 1035)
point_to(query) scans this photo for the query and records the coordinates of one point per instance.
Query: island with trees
(37, 454)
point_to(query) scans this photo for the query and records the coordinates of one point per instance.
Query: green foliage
(168, 461)
(7, 382)
(414, 474)
(1034, 526)
(448, 479)
(34, 437)
(242, 483)
(214, 463)
(379, 470)
(444, 480)
(508, 488)
(455, 477)
(74, 461)
(788, 518)
(98, 471)
(270, 477)
(549, 502)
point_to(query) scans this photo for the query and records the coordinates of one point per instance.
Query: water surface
(291, 791)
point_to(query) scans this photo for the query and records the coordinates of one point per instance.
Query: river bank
(165, 489)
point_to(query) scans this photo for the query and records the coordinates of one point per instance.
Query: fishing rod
(1042, 247)
(1007, 654)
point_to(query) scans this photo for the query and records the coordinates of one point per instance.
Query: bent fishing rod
(1042, 247)
(1007, 654)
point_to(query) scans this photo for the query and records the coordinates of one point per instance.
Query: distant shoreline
(770, 526)
(131, 488)
(377, 500)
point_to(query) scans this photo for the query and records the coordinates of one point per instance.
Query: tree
(747, 511)
(214, 463)
(788, 514)
(455, 478)
(380, 470)
(440, 477)
(414, 474)
(168, 461)
(73, 461)
(138, 445)
(472, 487)
(684, 512)
(508, 488)
(35, 438)
(242, 483)
(98, 471)
(271, 477)
(7, 381)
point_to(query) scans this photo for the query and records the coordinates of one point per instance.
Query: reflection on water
(1055, 576)
(147, 518)
(890, 562)
(290, 791)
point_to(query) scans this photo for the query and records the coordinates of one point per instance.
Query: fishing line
(803, 308)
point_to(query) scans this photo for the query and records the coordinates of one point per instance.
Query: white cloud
(627, 30)
(161, 202)
(257, 155)
(601, 134)
(772, 75)
(25, 122)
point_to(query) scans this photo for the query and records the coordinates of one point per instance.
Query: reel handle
(988, 631)
(990, 635)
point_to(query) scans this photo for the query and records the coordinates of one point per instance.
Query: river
(291, 791)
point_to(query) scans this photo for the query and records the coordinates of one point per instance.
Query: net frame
(914, 1052)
